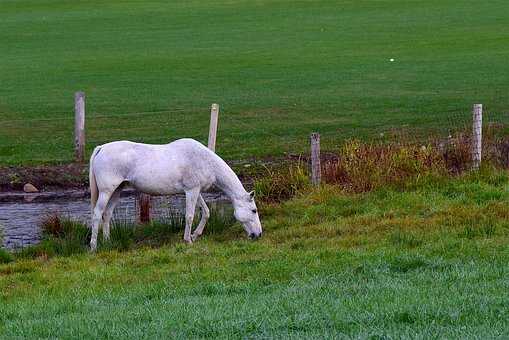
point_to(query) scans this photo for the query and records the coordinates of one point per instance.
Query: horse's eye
(254, 211)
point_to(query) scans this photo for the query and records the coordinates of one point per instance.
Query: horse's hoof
(194, 237)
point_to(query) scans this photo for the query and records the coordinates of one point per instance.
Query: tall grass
(60, 236)
(364, 166)
(282, 183)
(5, 257)
(361, 167)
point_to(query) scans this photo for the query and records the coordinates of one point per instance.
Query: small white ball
(392, 59)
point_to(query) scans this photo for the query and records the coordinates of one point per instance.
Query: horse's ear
(251, 195)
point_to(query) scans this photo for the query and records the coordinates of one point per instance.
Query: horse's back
(119, 151)
(188, 144)
(185, 149)
(175, 166)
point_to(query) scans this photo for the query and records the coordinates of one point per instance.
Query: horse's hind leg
(205, 214)
(100, 206)
(112, 203)
(191, 199)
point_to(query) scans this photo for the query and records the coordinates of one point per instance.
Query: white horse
(183, 166)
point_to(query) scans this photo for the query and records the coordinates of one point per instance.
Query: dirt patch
(45, 178)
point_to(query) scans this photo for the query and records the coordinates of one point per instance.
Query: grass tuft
(5, 256)
(404, 317)
(405, 264)
(219, 222)
(481, 231)
(405, 239)
(281, 184)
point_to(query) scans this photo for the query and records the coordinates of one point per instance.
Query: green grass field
(426, 259)
(279, 69)
(428, 262)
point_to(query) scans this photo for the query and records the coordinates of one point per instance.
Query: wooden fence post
(315, 159)
(79, 127)
(143, 201)
(214, 113)
(477, 136)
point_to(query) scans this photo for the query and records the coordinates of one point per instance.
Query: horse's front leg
(205, 214)
(191, 199)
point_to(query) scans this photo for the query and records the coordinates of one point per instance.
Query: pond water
(20, 219)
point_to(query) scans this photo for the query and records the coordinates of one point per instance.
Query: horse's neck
(228, 182)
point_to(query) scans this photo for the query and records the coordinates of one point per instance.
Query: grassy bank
(280, 69)
(429, 261)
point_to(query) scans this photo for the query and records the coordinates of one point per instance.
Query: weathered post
(315, 159)
(143, 201)
(477, 136)
(214, 113)
(79, 126)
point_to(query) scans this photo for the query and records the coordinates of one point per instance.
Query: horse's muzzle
(254, 236)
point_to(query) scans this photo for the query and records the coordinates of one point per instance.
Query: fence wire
(241, 134)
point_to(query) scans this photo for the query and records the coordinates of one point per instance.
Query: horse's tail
(94, 190)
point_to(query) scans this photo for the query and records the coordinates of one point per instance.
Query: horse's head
(247, 214)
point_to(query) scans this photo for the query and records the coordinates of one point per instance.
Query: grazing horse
(183, 166)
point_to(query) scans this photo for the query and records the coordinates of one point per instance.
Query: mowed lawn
(428, 262)
(279, 70)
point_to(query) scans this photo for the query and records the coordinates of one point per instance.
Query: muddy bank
(44, 177)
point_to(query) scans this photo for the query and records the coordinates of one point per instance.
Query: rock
(30, 188)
